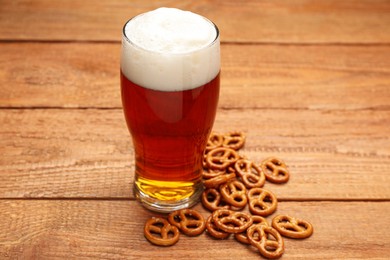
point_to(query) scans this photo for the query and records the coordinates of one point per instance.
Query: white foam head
(170, 50)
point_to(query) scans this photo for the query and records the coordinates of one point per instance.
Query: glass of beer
(170, 67)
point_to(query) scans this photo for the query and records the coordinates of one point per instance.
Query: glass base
(166, 197)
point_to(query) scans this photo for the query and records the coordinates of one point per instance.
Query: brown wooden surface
(277, 21)
(308, 81)
(113, 229)
(45, 155)
(261, 76)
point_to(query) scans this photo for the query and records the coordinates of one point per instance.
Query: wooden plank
(254, 76)
(282, 21)
(63, 229)
(69, 151)
(50, 153)
(59, 75)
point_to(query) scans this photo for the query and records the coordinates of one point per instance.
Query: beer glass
(170, 69)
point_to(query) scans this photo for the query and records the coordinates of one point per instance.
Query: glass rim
(213, 42)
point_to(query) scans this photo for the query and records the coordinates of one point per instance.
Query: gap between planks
(75, 41)
(378, 108)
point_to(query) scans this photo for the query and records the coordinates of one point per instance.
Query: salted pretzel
(231, 221)
(212, 200)
(213, 230)
(216, 181)
(160, 232)
(292, 227)
(234, 140)
(251, 174)
(261, 202)
(259, 235)
(275, 170)
(215, 140)
(234, 193)
(209, 173)
(242, 237)
(221, 158)
(189, 221)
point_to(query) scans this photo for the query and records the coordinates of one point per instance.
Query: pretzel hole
(170, 234)
(256, 236)
(268, 199)
(303, 225)
(158, 224)
(238, 199)
(269, 169)
(283, 220)
(239, 188)
(231, 157)
(211, 197)
(223, 203)
(192, 217)
(282, 172)
(255, 195)
(177, 219)
(276, 162)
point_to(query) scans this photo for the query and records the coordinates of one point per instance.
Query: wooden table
(307, 81)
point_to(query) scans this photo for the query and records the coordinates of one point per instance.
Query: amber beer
(170, 87)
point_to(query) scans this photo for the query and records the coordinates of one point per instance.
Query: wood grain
(88, 229)
(55, 153)
(75, 75)
(281, 21)
(307, 80)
